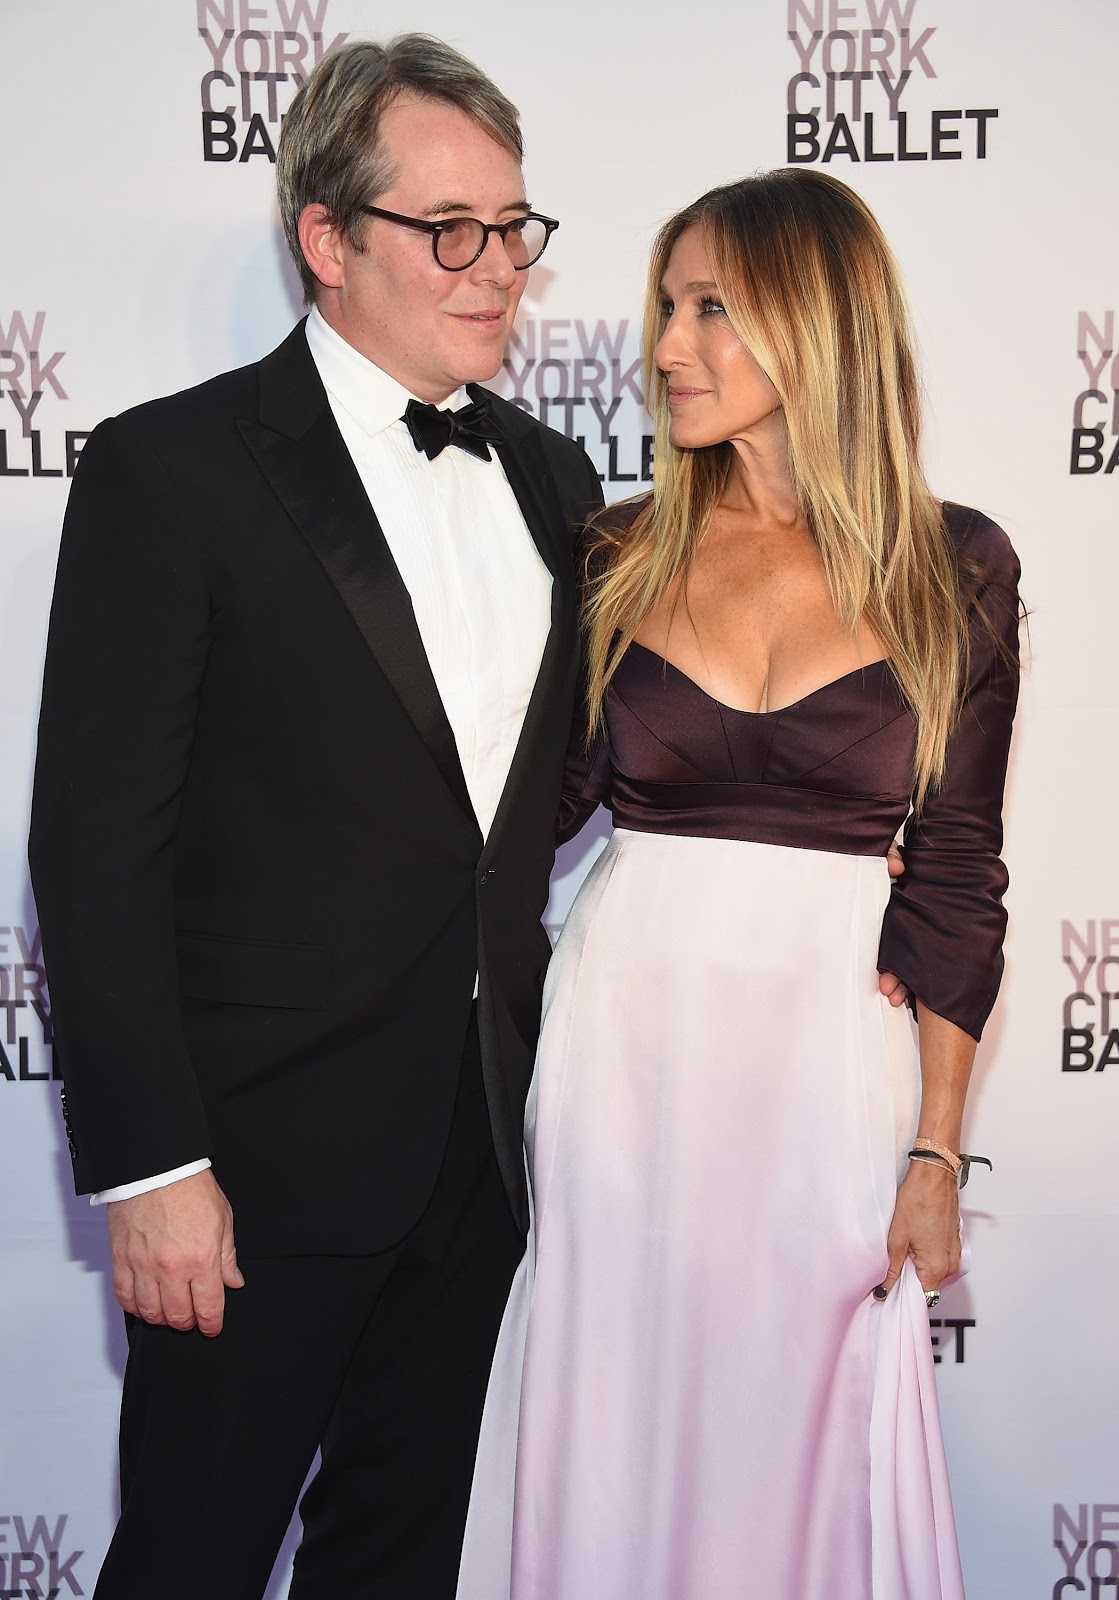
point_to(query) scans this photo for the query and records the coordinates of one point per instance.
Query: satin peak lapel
(319, 487)
(526, 467)
(530, 478)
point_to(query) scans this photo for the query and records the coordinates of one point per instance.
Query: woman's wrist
(929, 1153)
(923, 1158)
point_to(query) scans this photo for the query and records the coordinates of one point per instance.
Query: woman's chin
(683, 436)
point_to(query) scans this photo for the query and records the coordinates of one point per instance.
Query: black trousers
(380, 1360)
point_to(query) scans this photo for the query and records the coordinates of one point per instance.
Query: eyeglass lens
(459, 242)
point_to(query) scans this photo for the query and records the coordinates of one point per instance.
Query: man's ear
(320, 239)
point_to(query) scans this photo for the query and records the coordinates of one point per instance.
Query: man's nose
(494, 264)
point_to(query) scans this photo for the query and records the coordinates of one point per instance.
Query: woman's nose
(670, 349)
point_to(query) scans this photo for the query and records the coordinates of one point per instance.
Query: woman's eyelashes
(706, 306)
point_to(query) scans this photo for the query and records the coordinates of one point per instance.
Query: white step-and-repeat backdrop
(141, 253)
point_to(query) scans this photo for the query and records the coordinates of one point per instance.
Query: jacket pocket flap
(248, 973)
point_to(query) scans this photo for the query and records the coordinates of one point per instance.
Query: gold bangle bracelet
(941, 1150)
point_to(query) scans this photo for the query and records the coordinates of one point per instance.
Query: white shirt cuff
(126, 1191)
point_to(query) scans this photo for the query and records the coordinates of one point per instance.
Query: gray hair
(331, 151)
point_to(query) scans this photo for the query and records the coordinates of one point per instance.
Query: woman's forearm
(947, 1055)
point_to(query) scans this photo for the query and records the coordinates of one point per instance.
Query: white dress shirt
(480, 591)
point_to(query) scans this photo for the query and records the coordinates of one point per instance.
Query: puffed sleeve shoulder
(587, 770)
(944, 925)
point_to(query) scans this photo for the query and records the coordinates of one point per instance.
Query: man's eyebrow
(446, 208)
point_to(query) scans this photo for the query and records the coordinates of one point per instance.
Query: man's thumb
(231, 1274)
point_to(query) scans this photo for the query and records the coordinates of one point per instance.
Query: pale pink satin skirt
(694, 1396)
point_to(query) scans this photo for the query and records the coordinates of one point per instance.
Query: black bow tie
(471, 428)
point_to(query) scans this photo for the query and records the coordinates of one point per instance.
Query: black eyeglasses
(459, 241)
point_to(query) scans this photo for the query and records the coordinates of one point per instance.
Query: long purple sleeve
(943, 929)
(587, 770)
(586, 778)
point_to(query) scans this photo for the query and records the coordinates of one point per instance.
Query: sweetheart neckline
(738, 711)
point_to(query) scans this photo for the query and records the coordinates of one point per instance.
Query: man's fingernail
(880, 1292)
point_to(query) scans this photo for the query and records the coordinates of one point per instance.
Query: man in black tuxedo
(308, 688)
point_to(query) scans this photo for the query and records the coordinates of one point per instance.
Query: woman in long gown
(714, 1378)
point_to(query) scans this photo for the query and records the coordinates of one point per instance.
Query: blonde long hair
(812, 290)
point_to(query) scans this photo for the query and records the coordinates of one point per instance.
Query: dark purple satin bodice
(831, 772)
(834, 772)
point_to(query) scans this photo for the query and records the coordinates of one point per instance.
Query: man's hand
(173, 1255)
(893, 988)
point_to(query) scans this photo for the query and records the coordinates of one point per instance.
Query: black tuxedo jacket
(262, 888)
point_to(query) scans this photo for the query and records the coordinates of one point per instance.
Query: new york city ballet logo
(584, 380)
(1086, 1539)
(26, 1040)
(260, 52)
(861, 91)
(36, 1559)
(949, 1338)
(33, 444)
(1095, 411)
(1090, 1012)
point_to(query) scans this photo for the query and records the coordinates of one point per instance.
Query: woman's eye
(667, 308)
(709, 307)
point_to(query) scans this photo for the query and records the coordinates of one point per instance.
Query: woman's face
(716, 390)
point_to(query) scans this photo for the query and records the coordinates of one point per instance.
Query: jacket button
(66, 1124)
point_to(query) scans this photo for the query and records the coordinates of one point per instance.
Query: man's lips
(489, 317)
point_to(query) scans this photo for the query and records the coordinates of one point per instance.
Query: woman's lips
(677, 397)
